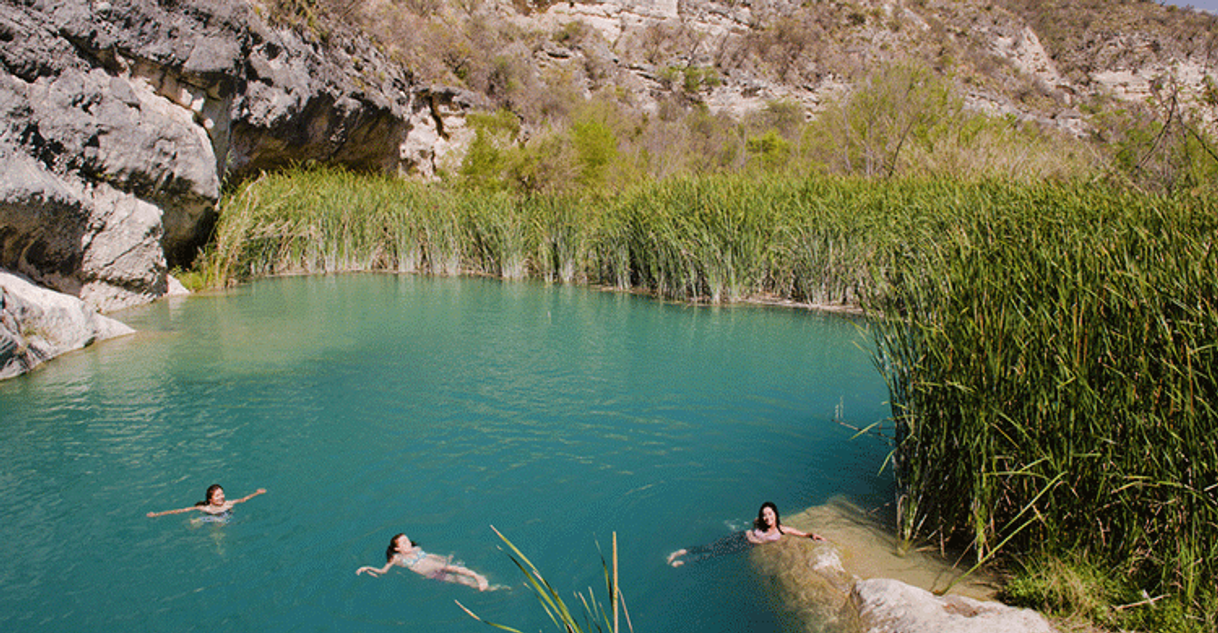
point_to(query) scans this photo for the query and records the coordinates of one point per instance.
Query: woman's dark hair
(393, 548)
(759, 522)
(207, 499)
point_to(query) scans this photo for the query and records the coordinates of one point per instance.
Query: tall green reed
(594, 616)
(1054, 379)
(315, 221)
(713, 240)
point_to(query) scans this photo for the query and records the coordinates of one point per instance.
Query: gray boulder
(136, 112)
(121, 120)
(37, 324)
(885, 605)
(89, 240)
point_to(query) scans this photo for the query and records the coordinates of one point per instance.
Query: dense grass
(1057, 378)
(1050, 349)
(721, 239)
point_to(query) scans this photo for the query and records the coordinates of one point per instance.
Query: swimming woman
(402, 551)
(215, 505)
(767, 527)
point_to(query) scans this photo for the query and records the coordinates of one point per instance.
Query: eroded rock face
(119, 122)
(37, 324)
(89, 240)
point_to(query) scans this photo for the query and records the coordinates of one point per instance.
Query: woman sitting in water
(767, 527)
(402, 551)
(216, 507)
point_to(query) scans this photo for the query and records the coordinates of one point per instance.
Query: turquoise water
(368, 405)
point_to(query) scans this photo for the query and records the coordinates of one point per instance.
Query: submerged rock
(857, 582)
(37, 324)
(811, 581)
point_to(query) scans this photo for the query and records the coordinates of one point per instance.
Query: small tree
(596, 148)
(893, 107)
(770, 150)
(488, 155)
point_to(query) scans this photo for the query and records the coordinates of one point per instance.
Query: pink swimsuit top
(762, 536)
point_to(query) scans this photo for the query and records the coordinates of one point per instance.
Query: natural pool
(373, 404)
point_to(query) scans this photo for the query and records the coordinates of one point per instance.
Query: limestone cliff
(1034, 61)
(120, 121)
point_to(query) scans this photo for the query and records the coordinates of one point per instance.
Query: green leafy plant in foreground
(1075, 590)
(594, 616)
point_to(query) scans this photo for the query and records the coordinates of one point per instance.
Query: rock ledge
(37, 324)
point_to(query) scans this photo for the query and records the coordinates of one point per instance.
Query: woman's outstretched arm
(178, 511)
(786, 529)
(250, 496)
(373, 571)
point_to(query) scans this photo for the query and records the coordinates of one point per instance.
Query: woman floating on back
(402, 551)
(767, 527)
(216, 507)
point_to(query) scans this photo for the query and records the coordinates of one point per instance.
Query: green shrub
(1064, 588)
(770, 150)
(596, 148)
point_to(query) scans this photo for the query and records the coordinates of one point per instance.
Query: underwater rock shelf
(857, 583)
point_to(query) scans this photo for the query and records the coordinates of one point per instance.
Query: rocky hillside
(122, 120)
(1050, 62)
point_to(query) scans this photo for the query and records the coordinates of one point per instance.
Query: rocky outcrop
(37, 324)
(810, 53)
(89, 240)
(438, 132)
(858, 582)
(121, 120)
(885, 605)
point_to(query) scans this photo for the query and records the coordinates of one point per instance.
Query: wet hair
(759, 522)
(393, 546)
(207, 498)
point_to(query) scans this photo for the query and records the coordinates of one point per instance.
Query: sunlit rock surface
(890, 606)
(120, 120)
(37, 324)
(856, 582)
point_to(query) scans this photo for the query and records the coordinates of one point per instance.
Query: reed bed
(709, 240)
(1050, 349)
(1055, 379)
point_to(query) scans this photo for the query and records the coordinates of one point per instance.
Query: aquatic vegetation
(710, 239)
(594, 616)
(1053, 362)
